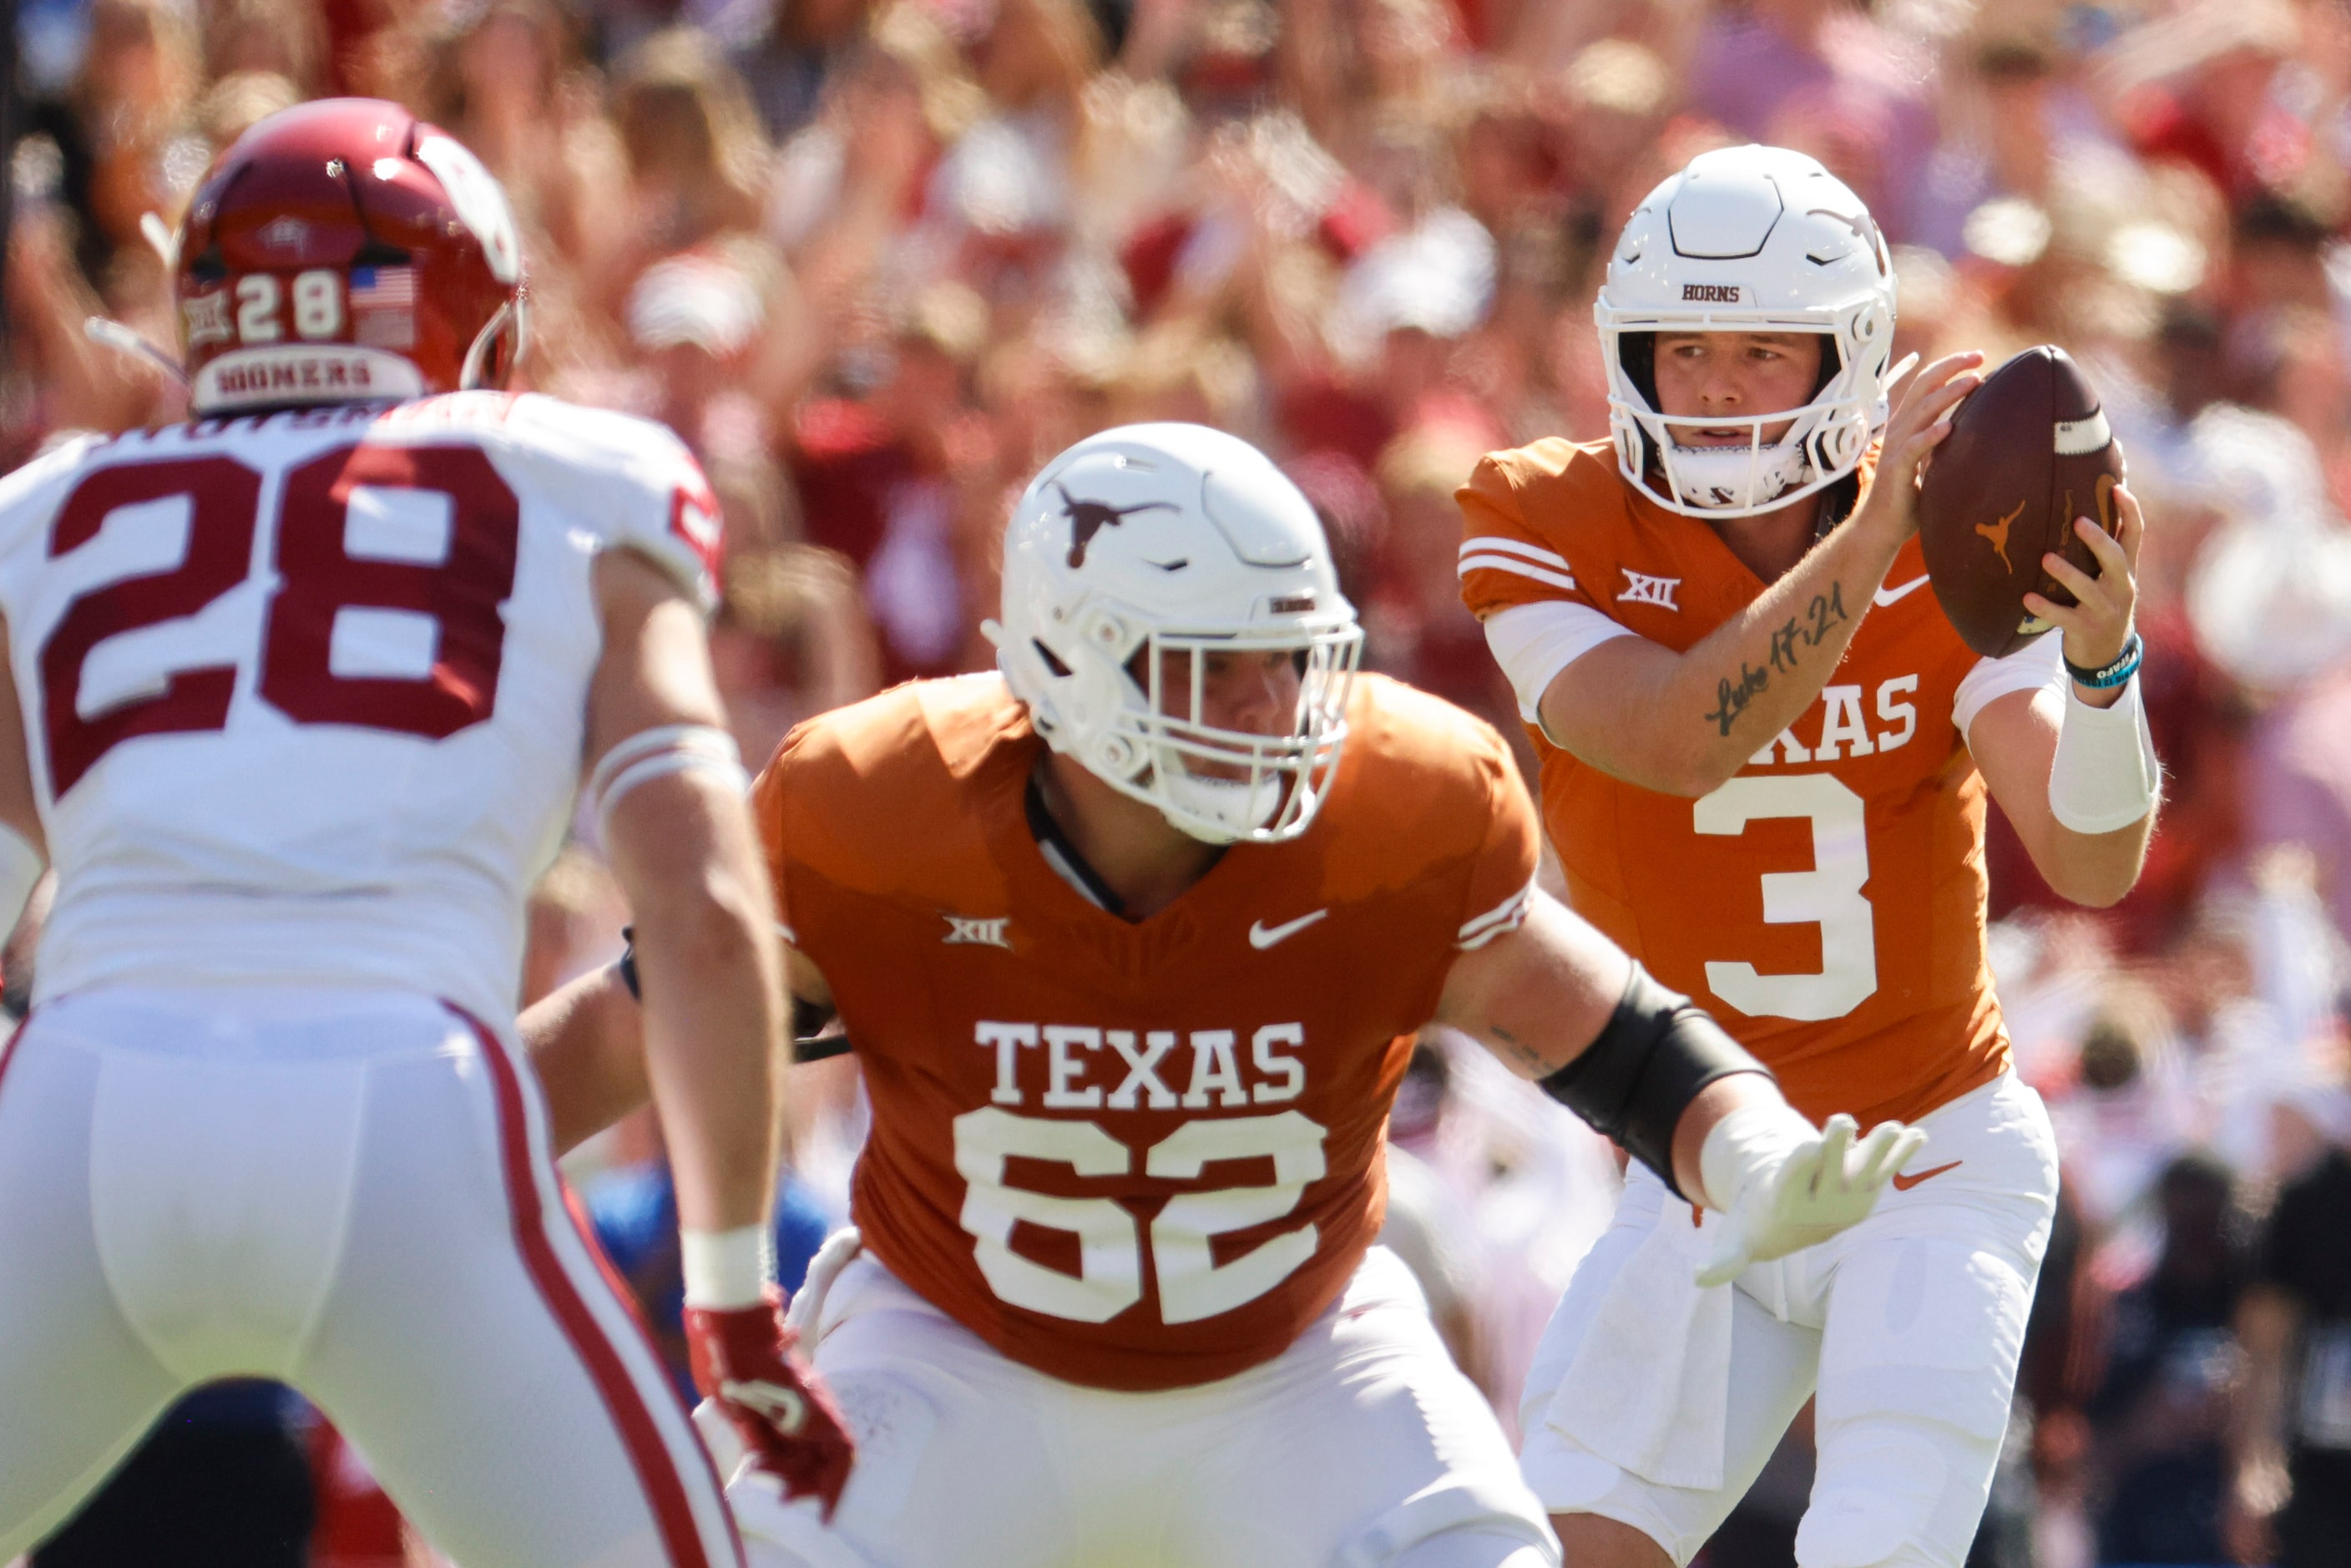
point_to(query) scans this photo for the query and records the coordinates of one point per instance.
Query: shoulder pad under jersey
(630, 481)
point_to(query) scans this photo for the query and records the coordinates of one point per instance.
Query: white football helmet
(1749, 239)
(1152, 539)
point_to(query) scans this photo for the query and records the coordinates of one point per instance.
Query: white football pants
(351, 1192)
(1656, 1404)
(1359, 1446)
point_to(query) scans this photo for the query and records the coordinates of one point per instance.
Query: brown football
(2029, 452)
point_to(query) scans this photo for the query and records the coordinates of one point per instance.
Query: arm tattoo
(1788, 641)
(1525, 1055)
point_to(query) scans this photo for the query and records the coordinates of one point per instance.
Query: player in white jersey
(298, 697)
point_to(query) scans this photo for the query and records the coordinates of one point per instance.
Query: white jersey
(305, 692)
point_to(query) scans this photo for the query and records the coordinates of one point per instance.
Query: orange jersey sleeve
(1826, 905)
(1508, 557)
(1130, 1154)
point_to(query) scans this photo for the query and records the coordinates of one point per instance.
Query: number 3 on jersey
(319, 577)
(1829, 895)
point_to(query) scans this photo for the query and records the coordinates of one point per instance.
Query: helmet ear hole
(1831, 364)
(1638, 353)
(1060, 671)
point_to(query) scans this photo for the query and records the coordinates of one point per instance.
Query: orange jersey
(1826, 905)
(1144, 1154)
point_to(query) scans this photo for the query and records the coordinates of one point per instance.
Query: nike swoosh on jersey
(1893, 595)
(1262, 936)
(1905, 1183)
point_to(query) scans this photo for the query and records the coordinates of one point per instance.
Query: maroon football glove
(744, 1361)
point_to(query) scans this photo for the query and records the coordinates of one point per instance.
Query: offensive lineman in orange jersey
(1133, 938)
(1765, 760)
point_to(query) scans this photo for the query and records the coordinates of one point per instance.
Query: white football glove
(1778, 1184)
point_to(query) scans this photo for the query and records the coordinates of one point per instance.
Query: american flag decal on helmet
(383, 306)
(383, 287)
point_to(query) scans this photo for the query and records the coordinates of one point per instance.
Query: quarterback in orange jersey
(1765, 756)
(1132, 938)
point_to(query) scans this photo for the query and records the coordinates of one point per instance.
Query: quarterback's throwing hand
(743, 1361)
(1780, 1186)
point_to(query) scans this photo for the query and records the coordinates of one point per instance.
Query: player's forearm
(587, 1042)
(713, 978)
(1684, 724)
(710, 968)
(2083, 804)
(2094, 869)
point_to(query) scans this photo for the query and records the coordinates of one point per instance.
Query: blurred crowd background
(876, 259)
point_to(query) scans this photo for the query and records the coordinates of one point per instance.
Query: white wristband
(20, 869)
(2105, 776)
(1755, 1137)
(725, 1270)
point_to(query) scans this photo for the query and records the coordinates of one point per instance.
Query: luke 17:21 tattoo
(1788, 641)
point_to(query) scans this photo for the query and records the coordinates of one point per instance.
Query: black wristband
(1635, 1080)
(2104, 678)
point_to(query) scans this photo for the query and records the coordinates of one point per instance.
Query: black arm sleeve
(1648, 1063)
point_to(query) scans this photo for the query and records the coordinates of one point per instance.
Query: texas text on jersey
(227, 635)
(1826, 905)
(1134, 1155)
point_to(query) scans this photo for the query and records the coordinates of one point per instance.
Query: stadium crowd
(875, 261)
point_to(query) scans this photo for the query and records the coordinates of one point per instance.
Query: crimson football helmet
(344, 250)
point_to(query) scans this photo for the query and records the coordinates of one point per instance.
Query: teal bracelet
(2125, 666)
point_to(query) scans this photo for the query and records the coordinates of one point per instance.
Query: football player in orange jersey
(1133, 938)
(1765, 756)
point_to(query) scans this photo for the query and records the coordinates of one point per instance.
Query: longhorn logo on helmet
(1088, 519)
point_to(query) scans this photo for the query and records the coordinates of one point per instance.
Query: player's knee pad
(1461, 1523)
(1917, 1363)
(1926, 1325)
(1897, 1491)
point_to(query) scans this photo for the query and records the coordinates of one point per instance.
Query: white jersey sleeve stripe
(1497, 543)
(1504, 563)
(1506, 917)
